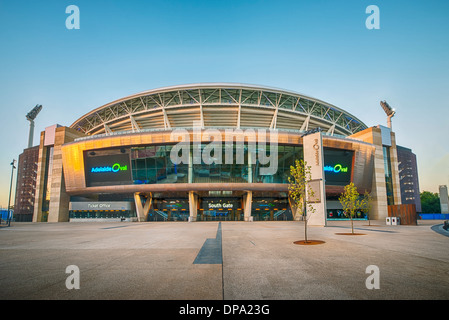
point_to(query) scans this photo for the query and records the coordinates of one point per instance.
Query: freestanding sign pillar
(313, 156)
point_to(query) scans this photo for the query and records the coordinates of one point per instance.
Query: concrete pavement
(155, 260)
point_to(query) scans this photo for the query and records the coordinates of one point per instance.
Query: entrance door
(220, 209)
(271, 209)
(169, 210)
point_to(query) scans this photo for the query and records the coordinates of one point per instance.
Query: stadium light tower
(10, 188)
(30, 117)
(389, 111)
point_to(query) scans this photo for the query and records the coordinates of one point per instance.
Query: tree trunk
(305, 218)
(352, 224)
(305, 229)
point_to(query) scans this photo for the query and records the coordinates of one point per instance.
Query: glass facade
(388, 175)
(271, 209)
(207, 163)
(152, 164)
(47, 185)
(169, 210)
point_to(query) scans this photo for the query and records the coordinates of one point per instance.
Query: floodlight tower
(30, 117)
(389, 111)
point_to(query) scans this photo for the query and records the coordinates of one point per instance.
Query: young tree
(299, 190)
(366, 204)
(351, 202)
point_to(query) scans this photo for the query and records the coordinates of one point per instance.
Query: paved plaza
(223, 260)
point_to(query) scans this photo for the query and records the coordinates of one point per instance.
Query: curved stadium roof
(217, 105)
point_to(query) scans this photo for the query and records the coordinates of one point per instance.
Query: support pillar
(142, 210)
(193, 206)
(247, 202)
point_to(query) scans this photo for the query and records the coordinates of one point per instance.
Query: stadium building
(117, 161)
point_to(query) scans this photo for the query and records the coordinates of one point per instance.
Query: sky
(322, 49)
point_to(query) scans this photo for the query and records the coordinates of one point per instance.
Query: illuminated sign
(316, 146)
(110, 205)
(219, 205)
(102, 169)
(266, 205)
(337, 168)
(177, 205)
(116, 167)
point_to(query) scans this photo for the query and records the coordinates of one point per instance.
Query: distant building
(408, 177)
(26, 184)
(444, 202)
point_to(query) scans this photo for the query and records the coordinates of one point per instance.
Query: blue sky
(319, 48)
